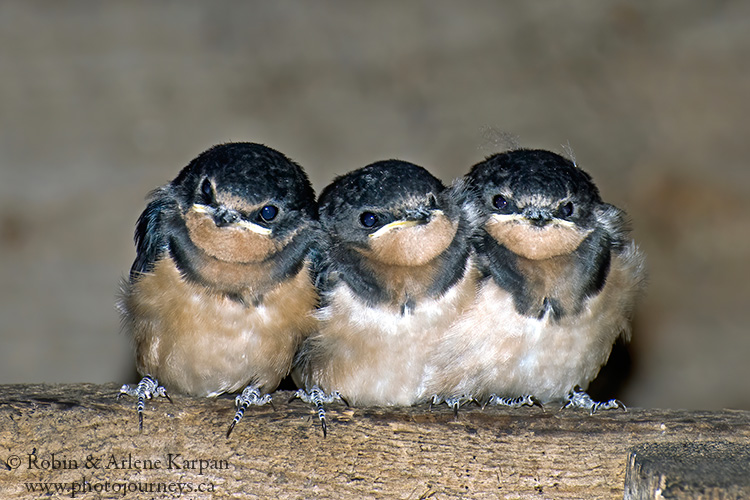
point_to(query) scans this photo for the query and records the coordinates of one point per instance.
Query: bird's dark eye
(268, 213)
(566, 210)
(499, 201)
(368, 219)
(207, 191)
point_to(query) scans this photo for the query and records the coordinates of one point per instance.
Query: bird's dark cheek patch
(230, 243)
(416, 245)
(536, 243)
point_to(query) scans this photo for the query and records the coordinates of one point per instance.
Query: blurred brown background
(102, 102)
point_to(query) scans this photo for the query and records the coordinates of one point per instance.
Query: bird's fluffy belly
(376, 356)
(494, 349)
(203, 343)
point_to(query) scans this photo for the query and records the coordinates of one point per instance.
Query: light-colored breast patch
(414, 245)
(202, 343)
(493, 349)
(375, 355)
(535, 243)
(232, 243)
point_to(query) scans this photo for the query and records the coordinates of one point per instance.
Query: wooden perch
(80, 441)
(714, 469)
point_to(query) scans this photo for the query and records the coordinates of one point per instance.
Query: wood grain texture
(280, 453)
(688, 471)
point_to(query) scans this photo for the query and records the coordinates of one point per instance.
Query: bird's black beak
(225, 216)
(539, 217)
(419, 216)
(414, 217)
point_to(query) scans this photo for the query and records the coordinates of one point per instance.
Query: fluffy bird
(220, 295)
(395, 273)
(559, 278)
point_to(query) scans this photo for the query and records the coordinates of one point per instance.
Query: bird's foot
(318, 398)
(147, 388)
(250, 396)
(453, 402)
(578, 398)
(515, 402)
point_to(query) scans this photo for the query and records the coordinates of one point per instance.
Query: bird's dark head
(392, 211)
(534, 202)
(242, 201)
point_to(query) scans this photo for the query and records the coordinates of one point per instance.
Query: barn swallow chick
(220, 295)
(394, 274)
(559, 281)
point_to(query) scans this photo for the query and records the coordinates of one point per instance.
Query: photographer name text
(112, 461)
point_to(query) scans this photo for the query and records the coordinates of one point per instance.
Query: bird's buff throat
(233, 243)
(535, 243)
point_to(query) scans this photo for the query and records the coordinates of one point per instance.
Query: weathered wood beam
(688, 470)
(83, 438)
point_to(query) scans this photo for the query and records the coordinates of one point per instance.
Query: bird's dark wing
(151, 232)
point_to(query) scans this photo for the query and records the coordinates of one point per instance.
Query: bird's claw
(250, 396)
(318, 398)
(147, 388)
(578, 398)
(515, 402)
(453, 402)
